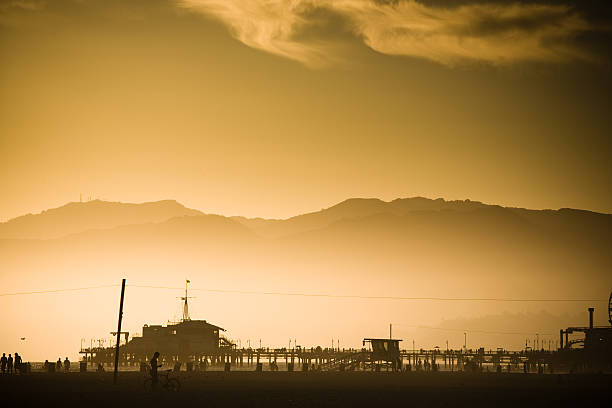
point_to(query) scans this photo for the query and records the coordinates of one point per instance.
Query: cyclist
(154, 367)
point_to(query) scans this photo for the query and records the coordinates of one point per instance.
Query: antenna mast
(186, 305)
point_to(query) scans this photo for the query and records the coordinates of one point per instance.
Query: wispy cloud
(496, 33)
(268, 25)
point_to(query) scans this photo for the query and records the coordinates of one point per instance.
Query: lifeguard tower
(385, 352)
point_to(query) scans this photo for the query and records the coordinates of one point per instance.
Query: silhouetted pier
(199, 345)
(327, 359)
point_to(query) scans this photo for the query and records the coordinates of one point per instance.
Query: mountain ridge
(75, 217)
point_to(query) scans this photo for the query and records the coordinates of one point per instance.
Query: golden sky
(274, 108)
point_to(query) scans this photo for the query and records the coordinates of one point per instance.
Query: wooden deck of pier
(332, 359)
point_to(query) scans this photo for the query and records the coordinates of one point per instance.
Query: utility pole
(390, 330)
(119, 332)
(465, 340)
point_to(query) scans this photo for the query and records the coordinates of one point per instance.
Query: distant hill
(564, 220)
(353, 208)
(405, 247)
(406, 215)
(77, 217)
(450, 239)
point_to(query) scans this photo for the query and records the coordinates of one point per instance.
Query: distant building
(189, 339)
(591, 352)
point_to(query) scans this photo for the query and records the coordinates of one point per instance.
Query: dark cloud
(448, 32)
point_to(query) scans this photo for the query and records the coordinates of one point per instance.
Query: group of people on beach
(10, 365)
(58, 365)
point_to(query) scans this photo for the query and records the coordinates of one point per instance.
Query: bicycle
(164, 381)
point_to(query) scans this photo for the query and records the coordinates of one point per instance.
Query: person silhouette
(17, 363)
(58, 365)
(9, 364)
(3, 363)
(154, 367)
(66, 365)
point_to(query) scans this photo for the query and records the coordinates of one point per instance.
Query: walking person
(3, 363)
(67, 365)
(9, 364)
(58, 365)
(17, 363)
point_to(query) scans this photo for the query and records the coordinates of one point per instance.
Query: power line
(36, 292)
(319, 295)
(327, 295)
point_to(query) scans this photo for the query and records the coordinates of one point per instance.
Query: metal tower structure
(186, 304)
